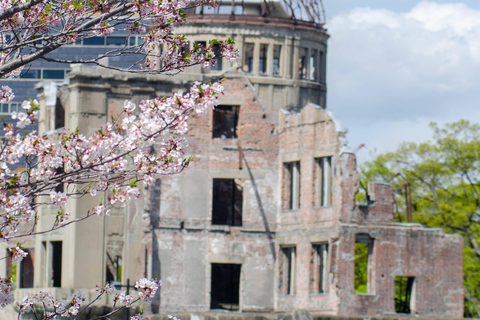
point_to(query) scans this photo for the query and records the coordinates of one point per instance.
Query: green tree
(444, 179)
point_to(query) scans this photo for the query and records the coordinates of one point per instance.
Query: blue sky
(394, 66)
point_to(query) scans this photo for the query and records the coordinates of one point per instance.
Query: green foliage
(14, 273)
(444, 177)
(403, 291)
(361, 267)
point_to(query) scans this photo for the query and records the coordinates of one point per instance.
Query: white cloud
(390, 73)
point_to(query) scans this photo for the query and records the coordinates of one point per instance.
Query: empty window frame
(319, 268)
(363, 263)
(56, 263)
(262, 62)
(322, 175)
(26, 270)
(94, 41)
(11, 107)
(218, 58)
(113, 268)
(59, 115)
(248, 57)
(52, 262)
(117, 40)
(225, 286)
(302, 63)
(277, 50)
(321, 66)
(404, 294)
(287, 279)
(227, 203)
(312, 72)
(225, 121)
(291, 185)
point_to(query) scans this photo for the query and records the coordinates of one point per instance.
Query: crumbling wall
(188, 241)
(432, 259)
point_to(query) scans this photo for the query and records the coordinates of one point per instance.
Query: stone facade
(264, 219)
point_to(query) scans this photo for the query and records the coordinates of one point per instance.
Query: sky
(395, 66)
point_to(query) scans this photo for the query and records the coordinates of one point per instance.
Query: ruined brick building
(264, 219)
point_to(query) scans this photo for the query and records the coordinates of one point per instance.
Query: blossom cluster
(17, 254)
(51, 307)
(6, 295)
(147, 288)
(139, 317)
(112, 160)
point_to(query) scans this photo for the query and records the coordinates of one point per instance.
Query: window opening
(94, 41)
(276, 59)
(113, 268)
(287, 270)
(321, 72)
(291, 185)
(248, 57)
(404, 292)
(225, 121)
(319, 268)
(363, 264)
(323, 172)
(262, 63)
(59, 115)
(56, 263)
(116, 41)
(313, 65)
(53, 74)
(302, 63)
(227, 203)
(26, 270)
(218, 53)
(225, 288)
(31, 74)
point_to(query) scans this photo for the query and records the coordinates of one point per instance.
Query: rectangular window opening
(319, 268)
(321, 71)
(56, 263)
(117, 41)
(55, 74)
(227, 203)
(277, 49)
(404, 294)
(225, 286)
(323, 172)
(363, 263)
(302, 63)
(31, 74)
(26, 270)
(225, 122)
(262, 63)
(248, 57)
(59, 114)
(313, 65)
(291, 185)
(94, 41)
(218, 53)
(287, 270)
